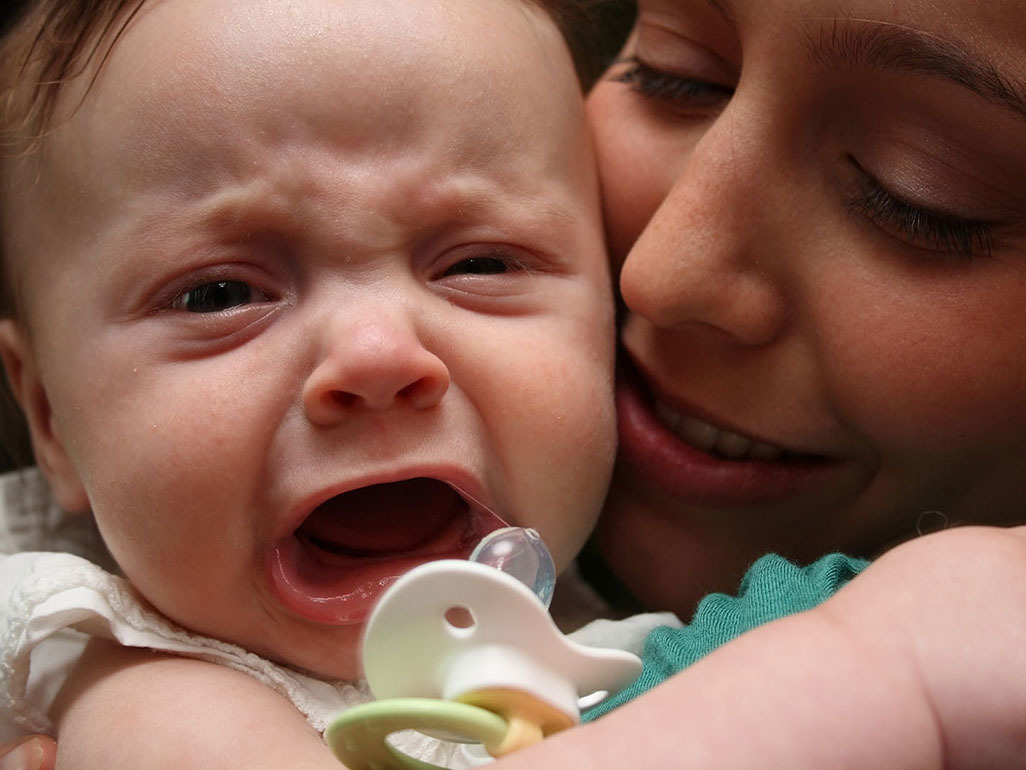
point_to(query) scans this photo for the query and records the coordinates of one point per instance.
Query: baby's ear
(28, 391)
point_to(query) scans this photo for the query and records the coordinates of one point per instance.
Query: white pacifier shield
(411, 649)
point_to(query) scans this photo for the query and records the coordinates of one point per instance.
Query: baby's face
(318, 288)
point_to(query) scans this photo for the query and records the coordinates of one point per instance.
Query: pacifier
(466, 651)
(521, 553)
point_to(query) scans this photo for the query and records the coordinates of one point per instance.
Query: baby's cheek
(574, 450)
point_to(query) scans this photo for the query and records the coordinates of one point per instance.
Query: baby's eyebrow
(242, 207)
(471, 201)
(472, 207)
(891, 47)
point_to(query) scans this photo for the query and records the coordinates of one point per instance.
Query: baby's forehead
(190, 77)
(220, 42)
(373, 67)
(191, 101)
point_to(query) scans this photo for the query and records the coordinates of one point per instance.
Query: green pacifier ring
(358, 736)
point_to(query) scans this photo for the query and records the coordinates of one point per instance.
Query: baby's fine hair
(46, 44)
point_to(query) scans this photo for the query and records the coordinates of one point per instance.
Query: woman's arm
(920, 662)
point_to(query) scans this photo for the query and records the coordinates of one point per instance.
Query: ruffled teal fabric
(772, 588)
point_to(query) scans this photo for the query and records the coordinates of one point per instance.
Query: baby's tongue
(382, 518)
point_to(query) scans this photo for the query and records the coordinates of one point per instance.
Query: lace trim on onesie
(48, 592)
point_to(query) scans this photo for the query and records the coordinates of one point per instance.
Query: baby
(297, 296)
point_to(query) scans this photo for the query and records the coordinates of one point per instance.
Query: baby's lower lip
(336, 588)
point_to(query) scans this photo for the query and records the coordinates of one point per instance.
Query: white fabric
(44, 593)
(627, 634)
(52, 602)
(587, 618)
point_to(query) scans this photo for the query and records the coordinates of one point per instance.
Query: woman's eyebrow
(891, 47)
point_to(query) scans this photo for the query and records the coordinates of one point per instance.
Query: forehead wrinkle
(243, 209)
(873, 44)
(470, 199)
(470, 209)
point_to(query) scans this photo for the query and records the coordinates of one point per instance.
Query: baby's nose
(375, 365)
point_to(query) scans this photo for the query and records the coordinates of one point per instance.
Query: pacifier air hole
(460, 620)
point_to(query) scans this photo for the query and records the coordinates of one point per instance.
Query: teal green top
(772, 588)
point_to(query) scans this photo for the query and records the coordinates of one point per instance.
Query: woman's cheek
(640, 160)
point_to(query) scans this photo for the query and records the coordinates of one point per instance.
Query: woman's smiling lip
(695, 460)
(336, 585)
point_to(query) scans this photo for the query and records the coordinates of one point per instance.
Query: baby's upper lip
(465, 484)
(383, 519)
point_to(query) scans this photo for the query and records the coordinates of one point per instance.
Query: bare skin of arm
(917, 663)
(131, 708)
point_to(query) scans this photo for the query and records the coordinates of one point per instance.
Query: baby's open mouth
(333, 567)
(383, 519)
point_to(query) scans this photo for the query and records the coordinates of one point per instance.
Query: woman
(825, 326)
(819, 211)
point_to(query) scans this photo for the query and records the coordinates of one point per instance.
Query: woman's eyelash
(659, 85)
(942, 232)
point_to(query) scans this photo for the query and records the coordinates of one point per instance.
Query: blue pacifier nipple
(519, 552)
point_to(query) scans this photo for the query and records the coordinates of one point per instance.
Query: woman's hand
(37, 752)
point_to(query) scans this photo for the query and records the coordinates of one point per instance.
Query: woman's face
(820, 209)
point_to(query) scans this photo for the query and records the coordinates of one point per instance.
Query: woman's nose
(703, 261)
(373, 364)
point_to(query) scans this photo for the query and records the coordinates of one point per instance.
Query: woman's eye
(488, 265)
(918, 226)
(217, 296)
(671, 90)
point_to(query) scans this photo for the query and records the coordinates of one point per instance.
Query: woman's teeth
(709, 438)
